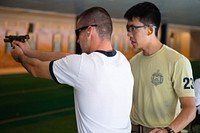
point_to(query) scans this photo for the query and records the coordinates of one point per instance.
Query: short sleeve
(182, 78)
(66, 70)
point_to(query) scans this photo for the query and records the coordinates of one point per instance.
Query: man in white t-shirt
(101, 76)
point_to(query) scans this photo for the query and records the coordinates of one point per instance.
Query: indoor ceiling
(184, 12)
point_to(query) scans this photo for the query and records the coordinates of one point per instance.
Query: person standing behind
(196, 86)
(163, 77)
(101, 76)
(195, 124)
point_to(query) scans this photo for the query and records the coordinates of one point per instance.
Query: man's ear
(150, 30)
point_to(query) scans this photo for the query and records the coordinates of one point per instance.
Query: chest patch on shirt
(157, 78)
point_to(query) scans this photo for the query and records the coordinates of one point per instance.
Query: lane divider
(36, 115)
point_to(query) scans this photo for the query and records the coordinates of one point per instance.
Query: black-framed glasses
(77, 31)
(132, 28)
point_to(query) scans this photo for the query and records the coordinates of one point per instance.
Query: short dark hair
(147, 12)
(100, 17)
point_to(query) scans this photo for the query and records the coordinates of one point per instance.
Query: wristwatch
(169, 130)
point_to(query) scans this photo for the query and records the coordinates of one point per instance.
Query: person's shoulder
(77, 57)
(174, 55)
(121, 56)
(119, 52)
(172, 51)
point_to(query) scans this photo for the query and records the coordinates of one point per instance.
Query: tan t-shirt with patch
(160, 79)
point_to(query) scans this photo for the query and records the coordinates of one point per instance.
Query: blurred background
(37, 105)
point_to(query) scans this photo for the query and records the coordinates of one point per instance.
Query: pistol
(20, 38)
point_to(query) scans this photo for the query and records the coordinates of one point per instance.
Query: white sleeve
(66, 70)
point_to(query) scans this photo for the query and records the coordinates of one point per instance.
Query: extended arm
(43, 56)
(34, 66)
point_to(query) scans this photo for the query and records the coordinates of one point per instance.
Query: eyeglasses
(132, 28)
(77, 31)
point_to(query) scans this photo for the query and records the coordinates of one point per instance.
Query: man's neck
(104, 46)
(152, 48)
